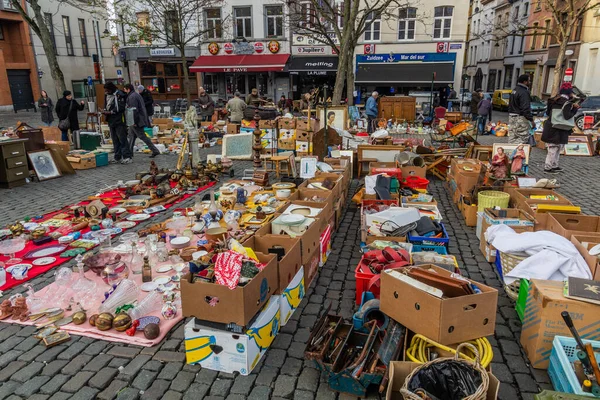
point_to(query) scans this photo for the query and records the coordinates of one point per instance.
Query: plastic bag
(448, 380)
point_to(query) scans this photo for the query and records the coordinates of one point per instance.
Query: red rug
(110, 199)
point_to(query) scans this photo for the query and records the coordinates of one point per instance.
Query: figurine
(17, 229)
(153, 168)
(20, 310)
(519, 160)
(499, 164)
(6, 309)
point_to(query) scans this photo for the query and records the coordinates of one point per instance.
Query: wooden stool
(92, 118)
(282, 159)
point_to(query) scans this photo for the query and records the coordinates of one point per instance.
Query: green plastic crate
(550, 395)
(522, 299)
(101, 159)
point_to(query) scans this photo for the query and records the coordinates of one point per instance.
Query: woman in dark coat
(46, 107)
(62, 112)
(554, 137)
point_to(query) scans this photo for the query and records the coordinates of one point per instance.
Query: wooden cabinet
(398, 108)
(13, 163)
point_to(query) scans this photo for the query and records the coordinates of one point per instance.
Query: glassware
(9, 247)
(162, 253)
(62, 278)
(82, 284)
(136, 262)
(169, 310)
(179, 267)
(126, 292)
(150, 304)
(114, 272)
(34, 303)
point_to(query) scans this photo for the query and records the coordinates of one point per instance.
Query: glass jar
(162, 253)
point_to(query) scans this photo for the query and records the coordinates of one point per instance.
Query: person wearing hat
(66, 111)
(556, 136)
(236, 107)
(115, 117)
(148, 101)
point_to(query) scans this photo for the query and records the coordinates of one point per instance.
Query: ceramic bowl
(215, 234)
(282, 194)
(180, 242)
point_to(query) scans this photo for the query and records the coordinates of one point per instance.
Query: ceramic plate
(117, 210)
(163, 269)
(180, 242)
(161, 280)
(149, 286)
(29, 226)
(283, 185)
(292, 219)
(594, 251)
(144, 321)
(22, 265)
(268, 210)
(45, 251)
(138, 217)
(196, 255)
(125, 224)
(306, 211)
(43, 261)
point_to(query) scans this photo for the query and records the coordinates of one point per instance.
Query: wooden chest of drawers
(13, 163)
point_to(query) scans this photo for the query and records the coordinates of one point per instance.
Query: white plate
(117, 210)
(162, 280)
(180, 242)
(149, 286)
(43, 261)
(594, 251)
(163, 269)
(138, 217)
(22, 265)
(125, 224)
(292, 219)
(196, 255)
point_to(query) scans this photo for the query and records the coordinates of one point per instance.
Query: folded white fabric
(551, 256)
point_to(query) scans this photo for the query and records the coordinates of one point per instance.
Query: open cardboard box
(237, 306)
(566, 225)
(489, 251)
(309, 240)
(445, 320)
(584, 243)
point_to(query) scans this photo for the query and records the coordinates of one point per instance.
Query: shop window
(84, 43)
(243, 22)
(252, 82)
(50, 25)
(373, 28)
(148, 69)
(212, 20)
(240, 83)
(68, 38)
(171, 70)
(274, 21)
(211, 83)
(406, 25)
(442, 22)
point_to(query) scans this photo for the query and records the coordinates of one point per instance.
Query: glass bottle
(162, 254)
(136, 262)
(146, 271)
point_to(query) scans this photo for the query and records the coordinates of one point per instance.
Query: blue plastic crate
(101, 159)
(422, 240)
(438, 249)
(560, 370)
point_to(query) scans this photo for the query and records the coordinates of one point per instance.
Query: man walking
(372, 111)
(148, 101)
(137, 120)
(236, 107)
(520, 117)
(115, 117)
(476, 97)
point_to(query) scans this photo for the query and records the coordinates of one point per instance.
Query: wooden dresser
(398, 108)
(13, 163)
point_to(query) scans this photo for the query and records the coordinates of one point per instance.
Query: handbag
(560, 122)
(65, 124)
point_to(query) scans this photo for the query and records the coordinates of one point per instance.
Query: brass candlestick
(257, 146)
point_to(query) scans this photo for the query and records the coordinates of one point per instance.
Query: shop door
(20, 89)
(282, 87)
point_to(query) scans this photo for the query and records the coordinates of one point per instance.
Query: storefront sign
(162, 52)
(213, 48)
(455, 46)
(243, 48)
(259, 47)
(228, 48)
(316, 73)
(406, 57)
(316, 50)
(274, 46)
(314, 40)
(240, 69)
(313, 64)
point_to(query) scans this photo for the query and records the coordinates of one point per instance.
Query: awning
(240, 63)
(405, 72)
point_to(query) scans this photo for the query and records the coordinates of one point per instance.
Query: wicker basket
(508, 263)
(491, 199)
(480, 393)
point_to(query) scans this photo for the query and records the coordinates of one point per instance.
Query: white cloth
(551, 257)
(370, 182)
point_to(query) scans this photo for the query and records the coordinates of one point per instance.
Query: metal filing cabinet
(13, 163)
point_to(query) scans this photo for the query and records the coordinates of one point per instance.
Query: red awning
(240, 63)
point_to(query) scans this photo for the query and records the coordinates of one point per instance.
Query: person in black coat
(115, 117)
(552, 135)
(148, 100)
(63, 106)
(46, 106)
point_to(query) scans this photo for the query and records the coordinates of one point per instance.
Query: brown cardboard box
(51, 133)
(566, 225)
(64, 146)
(421, 172)
(267, 124)
(311, 267)
(584, 243)
(206, 123)
(233, 129)
(542, 320)
(459, 164)
(166, 139)
(291, 262)
(304, 124)
(522, 196)
(287, 123)
(286, 144)
(309, 240)
(305, 194)
(399, 371)
(447, 320)
(84, 161)
(399, 239)
(489, 251)
(326, 207)
(466, 181)
(237, 306)
(337, 179)
(303, 135)
(469, 212)
(300, 154)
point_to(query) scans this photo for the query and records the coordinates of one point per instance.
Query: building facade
(589, 58)
(19, 87)
(482, 46)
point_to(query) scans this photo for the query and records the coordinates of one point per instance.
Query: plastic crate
(521, 304)
(438, 249)
(423, 240)
(362, 282)
(416, 182)
(101, 159)
(551, 395)
(560, 370)
(498, 264)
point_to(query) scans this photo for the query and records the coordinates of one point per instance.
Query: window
(517, 13)
(172, 27)
(525, 10)
(546, 36)
(8, 5)
(534, 37)
(171, 70)
(513, 39)
(549, 79)
(243, 22)
(210, 83)
(1, 32)
(68, 39)
(50, 24)
(274, 21)
(307, 14)
(577, 35)
(373, 28)
(442, 23)
(507, 80)
(407, 21)
(213, 23)
(84, 44)
(538, 5)
(522, 40)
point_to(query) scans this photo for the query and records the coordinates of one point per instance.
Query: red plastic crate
(363, 278)
(416, 182)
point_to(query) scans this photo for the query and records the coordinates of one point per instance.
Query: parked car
(538, 106)
(591, 103)
(500, 99)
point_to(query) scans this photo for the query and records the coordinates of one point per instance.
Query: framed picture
(518, 155)
(43, 164)
(337, 117)
(578, 149)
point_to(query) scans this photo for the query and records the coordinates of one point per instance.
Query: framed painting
(43, 164)
(337, 117)
(518, 155)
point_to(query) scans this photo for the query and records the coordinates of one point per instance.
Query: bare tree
(340, 24)
(169, 22)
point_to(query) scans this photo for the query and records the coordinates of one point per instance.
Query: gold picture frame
(337, 116)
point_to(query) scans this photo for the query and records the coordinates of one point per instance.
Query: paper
(526, 182)
(308, 167)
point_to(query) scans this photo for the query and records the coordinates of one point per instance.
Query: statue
(153, 168)
(6, 309)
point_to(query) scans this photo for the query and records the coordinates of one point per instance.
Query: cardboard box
(466, 181)
(522, 196)
(319, 209)
(566, 225)
(238, 352)
(237, 306)
(489, 251)
(584, 243)
(83, 161)
(421, 172)
(400, 239)
(303, 146)
(323, 196)
(64, 146)
(287, 134)
(514, 218)
(311, 267)
(542, 320)
(206, 123)
(303, 135)
(267, 124)
(447, 320)
(287, 123)
(289, 265)
(300, 154)
(286, 144)
(51, 133)
(309, 240)
(325, 245)
(233, 129)
(291, 297)
(399, 371)
(539, 143)
(304, 124)
(337, 179)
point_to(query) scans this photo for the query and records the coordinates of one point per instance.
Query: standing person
(520, 117)
(484, 112)
(253, 99)
(476, 97)
(444, 97)
(139, 120)
(46, 107)
(553, 135)
(148, 101)
(372, 111)
(305, 102)
(207, 105)
(283, 104)
(236, 107)
(115, 117)
(66, 111)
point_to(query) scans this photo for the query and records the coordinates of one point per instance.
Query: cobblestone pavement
(86, 368)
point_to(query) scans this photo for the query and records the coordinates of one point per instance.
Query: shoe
(154, 155)
(114, 161)
(550, 171)
(558, 169)
(126, 161)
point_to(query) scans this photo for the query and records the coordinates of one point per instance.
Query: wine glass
(11, 246)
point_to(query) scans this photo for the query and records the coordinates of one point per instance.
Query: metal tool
(590, 366)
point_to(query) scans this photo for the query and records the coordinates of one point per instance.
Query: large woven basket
(508, 263)
(491, 199)
(480, 393)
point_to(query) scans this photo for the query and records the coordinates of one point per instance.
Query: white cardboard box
(292, 296)
(229, 352)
